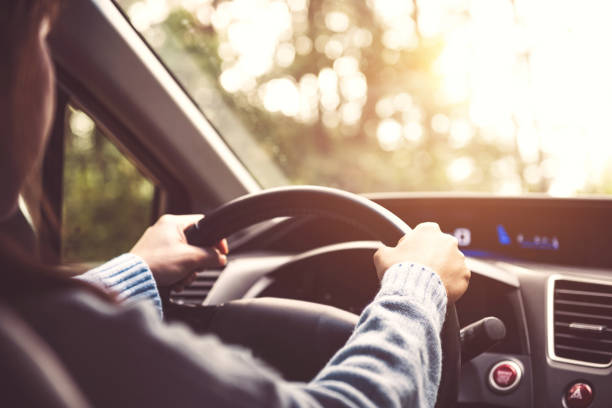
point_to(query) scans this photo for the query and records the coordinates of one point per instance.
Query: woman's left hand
(172, 260)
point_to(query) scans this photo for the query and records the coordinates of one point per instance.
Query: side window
(107, 202)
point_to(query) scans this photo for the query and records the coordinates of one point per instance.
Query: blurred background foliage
(394, 95)
(338, 142)
(107, 202)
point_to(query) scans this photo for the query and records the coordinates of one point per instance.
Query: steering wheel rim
(336, 204)
(294, 201)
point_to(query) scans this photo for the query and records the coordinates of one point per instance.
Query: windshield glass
(397, 95)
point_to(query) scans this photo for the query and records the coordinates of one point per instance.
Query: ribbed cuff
(417, 283)
(129, 277)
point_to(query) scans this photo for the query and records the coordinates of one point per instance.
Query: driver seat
(31, 375)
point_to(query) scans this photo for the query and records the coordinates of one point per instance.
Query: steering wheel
(325, 202)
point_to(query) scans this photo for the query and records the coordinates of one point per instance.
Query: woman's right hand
(172, 260)
(428, 246)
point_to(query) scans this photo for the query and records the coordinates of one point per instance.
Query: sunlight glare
(461, 132)
(413, 132)
(440, 123)
(460, 169)
(337, 21)
(81, 124)
(282, 95)
(389, 134)
(538, 79)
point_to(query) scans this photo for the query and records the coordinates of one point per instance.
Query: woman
(26, 78)
(125, 356)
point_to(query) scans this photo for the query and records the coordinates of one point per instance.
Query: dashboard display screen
(508, 237)
(562, 231)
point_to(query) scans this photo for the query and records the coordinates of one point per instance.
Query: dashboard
(543, 266)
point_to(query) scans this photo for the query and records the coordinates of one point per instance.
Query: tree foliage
(107, 202)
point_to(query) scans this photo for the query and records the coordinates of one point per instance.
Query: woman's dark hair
(22, 275)
(20, 22)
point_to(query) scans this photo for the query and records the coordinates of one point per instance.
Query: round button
(579, 395)
(505, 376)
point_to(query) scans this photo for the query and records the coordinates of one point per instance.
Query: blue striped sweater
(393, 358)
(129, 277)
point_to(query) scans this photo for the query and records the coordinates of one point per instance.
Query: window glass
(505, 96)
(107, 202)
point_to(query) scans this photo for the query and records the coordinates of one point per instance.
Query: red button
(505, 375)
(580, 395)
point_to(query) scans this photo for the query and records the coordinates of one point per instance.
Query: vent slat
(198, 290)
(192, 292)
(564, 327)
(587, 307)
(606, 319)
(583, 341)
(581, 293)
(584, 350)
(203, 284)
(583, 286)
(605, 308)
(212, 275)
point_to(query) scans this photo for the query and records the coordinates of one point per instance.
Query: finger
(381, 245)
(429, 225)
(198, 258)
(402, 239)
(223, 247)
(380, 254)
(453, 239)
(187, 281)
(191, 279)
(178, 286)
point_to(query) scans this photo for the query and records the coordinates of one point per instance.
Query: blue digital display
(538, 242)
(533, 241)
(502, 235)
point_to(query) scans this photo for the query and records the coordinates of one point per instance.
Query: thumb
(186, 220)
(183, 283)
(379, 257)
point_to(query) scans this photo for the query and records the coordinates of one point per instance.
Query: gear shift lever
(480, 336)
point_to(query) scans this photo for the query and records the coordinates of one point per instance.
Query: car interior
(534, 328)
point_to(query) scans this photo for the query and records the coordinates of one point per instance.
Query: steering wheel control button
(505, 376)
(579, 395)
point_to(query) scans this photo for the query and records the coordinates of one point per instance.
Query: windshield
(396, 95)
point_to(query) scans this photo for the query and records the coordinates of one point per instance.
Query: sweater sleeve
(129, 277)
(394, 357)
(392, 360)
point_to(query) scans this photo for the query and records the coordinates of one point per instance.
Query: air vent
(197, 292)
(582, 321)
